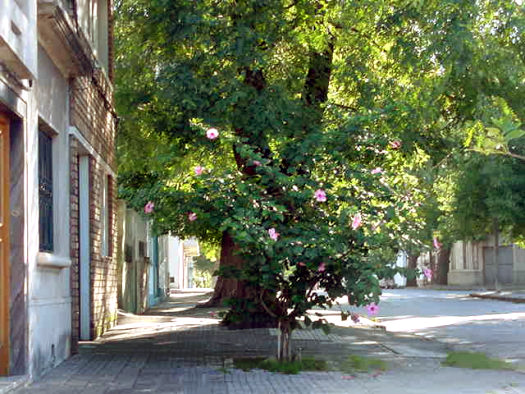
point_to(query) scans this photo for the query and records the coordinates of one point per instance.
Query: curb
(497, 297)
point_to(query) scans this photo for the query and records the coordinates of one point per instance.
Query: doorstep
(11, 383)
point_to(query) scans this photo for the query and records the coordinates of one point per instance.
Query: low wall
(465, 278)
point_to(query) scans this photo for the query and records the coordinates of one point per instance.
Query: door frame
(85, 248)
(4, 245)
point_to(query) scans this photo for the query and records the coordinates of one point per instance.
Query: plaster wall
(467, 262)
(519, 265)
(18, 36)
(176, 263)
(401, 261)
(136, 230)
(49, 310)
(164, 274)
(134, 274)
(466, 256)
(93, 20)
(465, 278)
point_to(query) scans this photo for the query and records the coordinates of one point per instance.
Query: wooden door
(4, 245)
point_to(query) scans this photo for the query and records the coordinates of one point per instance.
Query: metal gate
(505, 265)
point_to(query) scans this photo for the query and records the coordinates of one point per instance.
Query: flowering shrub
(297, 232)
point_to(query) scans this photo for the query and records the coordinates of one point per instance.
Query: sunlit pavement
(494, 327)
(177, 349)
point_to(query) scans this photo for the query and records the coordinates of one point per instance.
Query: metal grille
(45, 191)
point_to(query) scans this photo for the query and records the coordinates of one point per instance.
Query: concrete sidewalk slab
(9, 384)
(175, 348)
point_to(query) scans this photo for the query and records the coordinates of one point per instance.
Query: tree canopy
(334, 120)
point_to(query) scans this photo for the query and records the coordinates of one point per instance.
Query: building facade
(57, 180)
(143, 261)
(474, 264)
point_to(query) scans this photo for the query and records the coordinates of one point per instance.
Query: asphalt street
(494, 327)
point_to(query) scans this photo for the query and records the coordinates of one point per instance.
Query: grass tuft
(356, 363)
(247, 363)
(475, 360)
(286, 367)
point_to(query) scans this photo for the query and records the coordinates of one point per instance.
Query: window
(106, 217)
(45, 191)
(98, 30)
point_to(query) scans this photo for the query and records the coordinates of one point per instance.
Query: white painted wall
(93, 18)
(176, 263)
(49, 303)
(180, 257)
(401, 261)
(47, 287)
(136, 230)
(18, 36)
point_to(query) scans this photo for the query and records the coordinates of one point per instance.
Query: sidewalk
(175, 348)
(9, 383)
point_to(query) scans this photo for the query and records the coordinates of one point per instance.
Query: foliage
(202, 279)
(355, 363)
(286, 367)
(475, 360)
(335, 119)
(486, 192)
(205, 265)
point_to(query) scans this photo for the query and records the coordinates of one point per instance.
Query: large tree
(333, 118)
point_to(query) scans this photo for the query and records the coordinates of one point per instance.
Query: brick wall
(91, 110)
(75, 244)
(93, 115)
(103, 268)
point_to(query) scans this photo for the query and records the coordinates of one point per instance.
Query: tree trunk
(227, 287)
(412, 264)
(284, 341)
(249, 313)
(442, 266)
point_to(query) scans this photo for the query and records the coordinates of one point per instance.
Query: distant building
(149, 265)
(143, 273)
(472, 264)
(57, 180)
(181, 259)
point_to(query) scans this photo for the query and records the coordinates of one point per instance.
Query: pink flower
(273, 234)
(372, 309)
(322, 267)
(320, 195)
(428, 273)
(212, 133)
(192, 216)
(356, 222)
(377, 170)
(436, 243)
(257, 163)
(301, 264)
(395, 144)
(198, 170)
(212, 314)
(148, 208)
